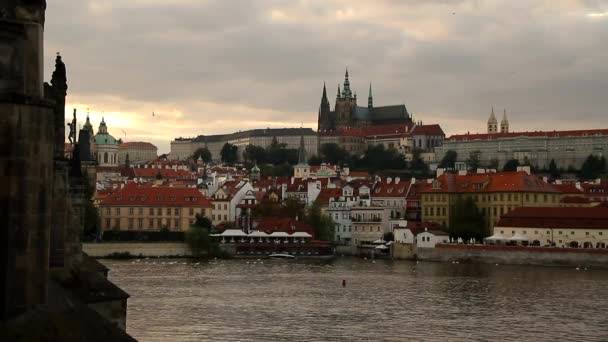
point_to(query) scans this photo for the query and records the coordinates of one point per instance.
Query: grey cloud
(542, 59)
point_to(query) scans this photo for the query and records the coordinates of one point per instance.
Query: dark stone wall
(26, 178)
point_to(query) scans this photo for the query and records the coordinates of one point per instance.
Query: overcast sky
(221, 66)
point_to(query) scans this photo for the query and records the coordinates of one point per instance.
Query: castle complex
(347, 114)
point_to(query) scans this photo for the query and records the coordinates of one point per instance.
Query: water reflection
(282, 300)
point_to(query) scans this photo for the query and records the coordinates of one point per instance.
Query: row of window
(218, 206)
(151, 211)
(141, 223)
(548, 232)
(497, 197)
(219, 217)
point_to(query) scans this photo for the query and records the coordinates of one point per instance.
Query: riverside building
(146, 208)
(562, 227)
(494, 193)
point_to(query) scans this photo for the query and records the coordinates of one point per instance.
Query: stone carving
(72, 125)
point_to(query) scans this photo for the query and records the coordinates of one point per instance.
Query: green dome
(105, 139)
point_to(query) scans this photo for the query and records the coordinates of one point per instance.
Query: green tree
(229, 154)
(467, 221)
(511, 165)
(493, 163)
(324, 226)
(553, 170)
(448, 160)
(199, 240)
(417, 165)
(315, 160)
(376, 157)
(202, 152)
(334, 154)
(593, 167)
(474, 160)
(254, 154)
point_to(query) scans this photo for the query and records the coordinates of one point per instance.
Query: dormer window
(132, 198)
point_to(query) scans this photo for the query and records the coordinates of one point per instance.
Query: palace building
(567, 148)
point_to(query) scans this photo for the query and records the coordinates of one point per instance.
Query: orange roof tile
(491, 182)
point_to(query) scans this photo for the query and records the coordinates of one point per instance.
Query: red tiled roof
(387, 130)
(491, 182)
(384, 189)
(553, 134)
(136, 144)
(556, 217)
(327, 193)
(135, 195)
(358, 174)
(567, 188)
(427, 130)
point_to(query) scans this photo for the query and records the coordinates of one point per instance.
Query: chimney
(388, 180)
(545, 179)
(578, 186)
(440, 171)
(397, 179)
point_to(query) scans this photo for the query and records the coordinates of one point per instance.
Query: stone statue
(72, 125)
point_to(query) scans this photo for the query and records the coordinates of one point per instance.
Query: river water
(296, 300)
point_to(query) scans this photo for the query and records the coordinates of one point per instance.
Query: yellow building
(495, 194)
(149, 208)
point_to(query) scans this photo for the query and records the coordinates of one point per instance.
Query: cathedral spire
(346, 91)
(338, 90)
(370, 101)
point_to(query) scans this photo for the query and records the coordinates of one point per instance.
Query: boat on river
(281, 256)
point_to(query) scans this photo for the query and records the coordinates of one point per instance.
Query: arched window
(105, 157)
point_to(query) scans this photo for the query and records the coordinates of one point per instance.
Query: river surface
(296, 300)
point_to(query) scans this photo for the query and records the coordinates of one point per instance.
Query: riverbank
(515, 255)
(124, 250)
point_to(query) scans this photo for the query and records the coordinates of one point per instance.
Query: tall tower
(492, 123)
(504, 123)
(345, 106)
(324, 123)
(370, 100)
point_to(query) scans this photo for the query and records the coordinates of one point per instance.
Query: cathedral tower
(324, 122)
(492, 123)
(346, 105)
(504, 123)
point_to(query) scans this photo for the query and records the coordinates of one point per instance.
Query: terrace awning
(231, 233)
(519, 237)
(497, 237)
(258, 233)
(301, 235)
(279, 235)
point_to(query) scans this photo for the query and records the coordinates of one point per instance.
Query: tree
(198, 239)
(593, 167)
(278, 153)
(334, 154)
(229, 154)
(202, 152)
(324, 226)
(553, 171)
(417, 165)
(467, 221)
(511, 165)
(254, 154)
(449, 160)
(493, 163)
(474, 161)
(315, 160)
(377, 158)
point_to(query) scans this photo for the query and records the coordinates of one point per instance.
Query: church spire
(346, 91)
(492, 123)
(370, 101)
(338, 90)
(504, 123)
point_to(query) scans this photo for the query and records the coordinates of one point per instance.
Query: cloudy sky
(207, 66)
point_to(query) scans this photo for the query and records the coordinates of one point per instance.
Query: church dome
(103, 137)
